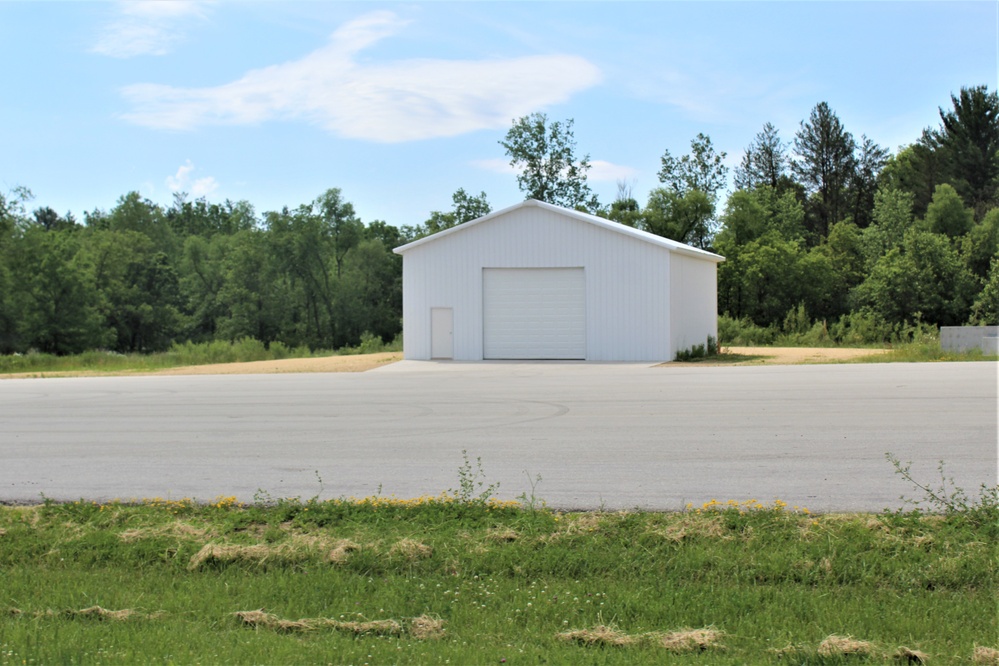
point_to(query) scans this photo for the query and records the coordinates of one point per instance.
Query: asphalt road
(616, 436)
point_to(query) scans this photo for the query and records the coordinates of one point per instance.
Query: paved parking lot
(615, 436)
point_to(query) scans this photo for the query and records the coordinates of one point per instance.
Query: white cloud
(182, 182)
(403, 100)
(607, 172)
(147, 27)
(600, 171)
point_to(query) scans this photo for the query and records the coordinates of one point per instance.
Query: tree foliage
(765, 162)
(924, 278)
(544, 154)
(702, 169)
(826, 228)
(683, 217)
(139, 277)
(464, 208)
(970, 137)
(947, 215)
(824, 161)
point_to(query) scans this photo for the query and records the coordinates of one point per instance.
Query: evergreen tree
(824, 161)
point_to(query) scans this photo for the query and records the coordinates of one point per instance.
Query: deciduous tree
(682, 217)
(465, 208)
(947, 215)
(702, 169)
(544, 154)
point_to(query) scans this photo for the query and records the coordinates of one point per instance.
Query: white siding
(646, 297)
(694, 302)
(627, 282)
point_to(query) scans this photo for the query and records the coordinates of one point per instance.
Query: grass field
(250, 357)
(207, 357)
(462, 579)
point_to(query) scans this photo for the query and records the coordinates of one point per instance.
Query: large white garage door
(534, 313)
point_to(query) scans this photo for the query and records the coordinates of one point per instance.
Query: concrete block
(963, 338)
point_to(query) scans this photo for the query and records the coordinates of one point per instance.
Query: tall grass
(856, 329)
(182, 354)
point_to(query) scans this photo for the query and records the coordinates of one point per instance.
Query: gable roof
(671, 245)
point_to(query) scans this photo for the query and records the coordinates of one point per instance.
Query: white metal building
(535, 281)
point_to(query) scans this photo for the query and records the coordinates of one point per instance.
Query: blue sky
(401, 104)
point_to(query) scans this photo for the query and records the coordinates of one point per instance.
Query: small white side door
(441, 333)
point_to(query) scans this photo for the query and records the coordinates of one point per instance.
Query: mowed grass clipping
(468, 580)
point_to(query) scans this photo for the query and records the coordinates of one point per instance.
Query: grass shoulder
(471, 579)
(921, 352)
(208, 357)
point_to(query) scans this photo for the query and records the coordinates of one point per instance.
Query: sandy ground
(363, 362)
(792, 355)
(354, 363)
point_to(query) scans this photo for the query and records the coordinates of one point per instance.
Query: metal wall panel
(534, 313)
(627, 283)
(694, 302)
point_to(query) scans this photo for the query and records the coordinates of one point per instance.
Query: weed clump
(708, 350)
(951, 500)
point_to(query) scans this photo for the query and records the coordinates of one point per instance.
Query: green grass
(179, 355)
(504, 579)
(924, 352)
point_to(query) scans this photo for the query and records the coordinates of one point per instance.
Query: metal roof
(671, 245)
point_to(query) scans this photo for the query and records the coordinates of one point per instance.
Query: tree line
(139, 277)
(819, 227)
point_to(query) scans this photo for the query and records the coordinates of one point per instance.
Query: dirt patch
(354, 363)
(782, 356)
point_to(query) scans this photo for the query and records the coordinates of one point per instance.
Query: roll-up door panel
(534, 313)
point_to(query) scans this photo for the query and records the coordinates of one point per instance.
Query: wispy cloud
(148, 27)
(396, 101)
(197, 187)
(600, 170)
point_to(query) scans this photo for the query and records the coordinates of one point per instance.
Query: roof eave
(671, 245)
